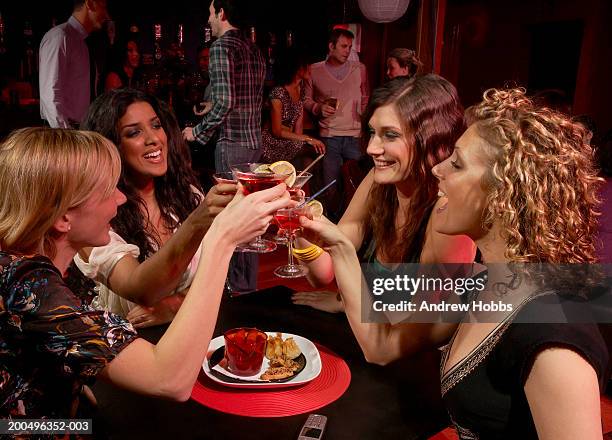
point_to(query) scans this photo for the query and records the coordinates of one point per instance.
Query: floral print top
(51, 341)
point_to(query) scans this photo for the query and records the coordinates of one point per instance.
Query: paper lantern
(383, 11)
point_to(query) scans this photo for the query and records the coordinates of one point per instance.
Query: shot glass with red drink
(244, 350)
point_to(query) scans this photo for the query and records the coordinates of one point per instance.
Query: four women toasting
(518, 183)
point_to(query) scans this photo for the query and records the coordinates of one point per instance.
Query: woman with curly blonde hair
(541, 179)
(520, 183)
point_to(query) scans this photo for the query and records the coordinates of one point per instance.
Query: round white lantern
(383, 11)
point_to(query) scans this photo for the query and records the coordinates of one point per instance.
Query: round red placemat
(333, 381)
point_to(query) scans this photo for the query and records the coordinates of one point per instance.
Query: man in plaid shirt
(237, 70)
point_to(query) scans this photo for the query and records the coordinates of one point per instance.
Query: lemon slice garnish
(263, 169)
(285, 168)
(316, 208)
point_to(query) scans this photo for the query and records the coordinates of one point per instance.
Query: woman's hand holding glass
(323, 233)
(215, 201)
(247, 217)
(219, 197)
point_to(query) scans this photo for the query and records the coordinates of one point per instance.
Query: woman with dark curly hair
(154, 248)
(520, 183)
(413, 124)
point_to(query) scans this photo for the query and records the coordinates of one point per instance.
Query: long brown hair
(432, 120)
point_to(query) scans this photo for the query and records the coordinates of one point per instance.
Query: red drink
(244, 350)
(258, 182)
(287, 220)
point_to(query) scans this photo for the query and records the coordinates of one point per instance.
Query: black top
(484, 393)
(134, 82)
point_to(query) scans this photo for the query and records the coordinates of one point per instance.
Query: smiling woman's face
(388, 147)
(460, 183)
(143, 142)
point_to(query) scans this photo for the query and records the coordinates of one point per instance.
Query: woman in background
(282, 138)
(402, 62)
(126, 72)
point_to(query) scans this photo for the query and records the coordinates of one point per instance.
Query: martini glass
(289, 220)
(296, 194)
(257, 177)
(225, 177)
(300, 180)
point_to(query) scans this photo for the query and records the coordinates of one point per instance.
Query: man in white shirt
(64, 65)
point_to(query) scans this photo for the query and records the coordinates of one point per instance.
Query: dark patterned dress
(272, 148)
(51, 341)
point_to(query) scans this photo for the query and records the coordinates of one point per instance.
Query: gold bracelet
(310, 253)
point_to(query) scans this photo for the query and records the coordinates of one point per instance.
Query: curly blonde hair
(542, 181)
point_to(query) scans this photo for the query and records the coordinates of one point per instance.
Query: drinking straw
(311, 165)
(318, 193)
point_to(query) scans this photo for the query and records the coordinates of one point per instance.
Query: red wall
(487, 44)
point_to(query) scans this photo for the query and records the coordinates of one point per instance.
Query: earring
(69, 227)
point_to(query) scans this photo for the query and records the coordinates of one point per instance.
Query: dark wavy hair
(289, 62)
(173, 191)
(431, 115)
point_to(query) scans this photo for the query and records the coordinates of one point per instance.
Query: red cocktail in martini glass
(257, 177)
(289, 220)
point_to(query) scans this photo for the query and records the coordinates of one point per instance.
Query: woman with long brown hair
(412, 125)
(522, 184)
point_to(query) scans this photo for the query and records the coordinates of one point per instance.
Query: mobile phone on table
(313, 428)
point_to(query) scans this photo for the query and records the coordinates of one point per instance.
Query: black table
(399, 401)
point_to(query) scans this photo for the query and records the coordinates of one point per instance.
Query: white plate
(310, 371)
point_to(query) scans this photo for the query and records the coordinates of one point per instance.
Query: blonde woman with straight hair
(59, 195)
